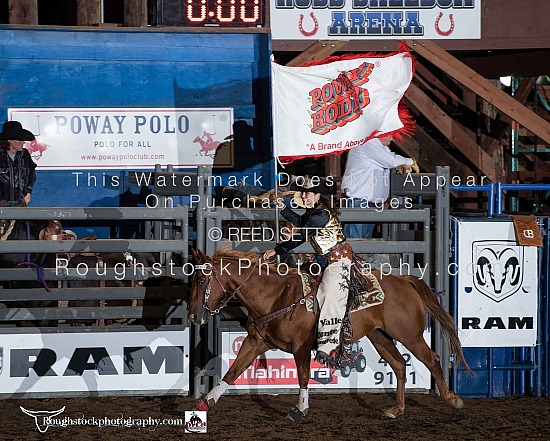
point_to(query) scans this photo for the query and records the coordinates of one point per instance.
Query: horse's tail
(430, 301)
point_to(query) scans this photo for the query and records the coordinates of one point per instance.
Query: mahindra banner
(497, 286)
(90, 138)
(333, 107)
(375, 19)
(94, 362)
(365, 370)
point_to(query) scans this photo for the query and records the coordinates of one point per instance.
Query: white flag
(330, 108)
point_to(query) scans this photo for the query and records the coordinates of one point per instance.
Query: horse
(278, 319)
(208, 145)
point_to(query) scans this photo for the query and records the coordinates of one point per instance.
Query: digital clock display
(222, 13)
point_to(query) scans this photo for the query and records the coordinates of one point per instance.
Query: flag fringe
(403, 49)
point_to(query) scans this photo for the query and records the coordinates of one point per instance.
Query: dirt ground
(253, 417)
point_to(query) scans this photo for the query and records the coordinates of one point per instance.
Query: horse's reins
(227, 297)
(280, 312)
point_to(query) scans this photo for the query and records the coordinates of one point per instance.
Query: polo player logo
(36, 149)
(42, 417)
(208, 145)
(498, 268)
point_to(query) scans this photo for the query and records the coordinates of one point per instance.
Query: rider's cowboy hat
(14, 130)
(313, 185)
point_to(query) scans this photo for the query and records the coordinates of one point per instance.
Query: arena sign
(497, 286)
(72, 363)
(375, 19)
(365, 370)
(111, 138)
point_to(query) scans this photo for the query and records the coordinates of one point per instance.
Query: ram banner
(75, 363)
(497, 286)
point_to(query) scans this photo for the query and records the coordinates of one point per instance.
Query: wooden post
(135, 13)
(23, 12)
(333, 167)
(88, 12)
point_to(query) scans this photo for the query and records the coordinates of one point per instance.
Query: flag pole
(276, 187)
(275, 156)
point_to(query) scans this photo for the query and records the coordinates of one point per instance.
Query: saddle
(364, 289)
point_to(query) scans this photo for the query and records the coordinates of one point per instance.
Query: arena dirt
(262, 417)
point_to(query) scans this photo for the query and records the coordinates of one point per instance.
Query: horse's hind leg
(387, 350)
(248, 352)
(422, 351)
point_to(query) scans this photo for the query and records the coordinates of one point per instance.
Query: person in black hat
(17, 169)
(320, 226)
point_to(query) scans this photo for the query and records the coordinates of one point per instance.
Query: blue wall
(122, 68)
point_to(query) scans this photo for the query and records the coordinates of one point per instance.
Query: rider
(320, 226)
(17, 169)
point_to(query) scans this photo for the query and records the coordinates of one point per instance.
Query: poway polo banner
(133, 138)
(338, 104)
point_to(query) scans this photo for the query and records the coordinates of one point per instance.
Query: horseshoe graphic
(315, 28)
(438, 29)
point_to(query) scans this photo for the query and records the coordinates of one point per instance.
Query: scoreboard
(218, 13)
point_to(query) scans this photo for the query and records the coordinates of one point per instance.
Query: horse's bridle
(227, 296)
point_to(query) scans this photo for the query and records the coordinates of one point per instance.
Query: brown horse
(277, 319)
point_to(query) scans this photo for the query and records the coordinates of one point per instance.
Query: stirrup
(329, 360)
(321, 357)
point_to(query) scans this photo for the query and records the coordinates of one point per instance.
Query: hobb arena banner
(332, 107)
(375, 19)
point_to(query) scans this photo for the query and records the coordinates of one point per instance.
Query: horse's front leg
(248, 352)
(302, 357)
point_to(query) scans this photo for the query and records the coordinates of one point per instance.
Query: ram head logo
(498, 271)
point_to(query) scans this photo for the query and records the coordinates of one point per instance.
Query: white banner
(109, 138)
(497, 286)
(366, 370)
(94, 362)
(375, 19)
(330, 108)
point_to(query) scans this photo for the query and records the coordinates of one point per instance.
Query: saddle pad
(366, 288)
(309, 285)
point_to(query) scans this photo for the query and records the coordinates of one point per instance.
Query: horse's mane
(227, 253)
